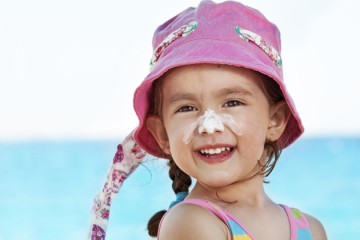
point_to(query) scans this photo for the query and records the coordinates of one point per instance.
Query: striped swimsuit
(299, 227)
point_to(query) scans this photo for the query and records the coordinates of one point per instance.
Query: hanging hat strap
(126, 160)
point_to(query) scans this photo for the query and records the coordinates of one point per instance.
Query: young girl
(216, 107)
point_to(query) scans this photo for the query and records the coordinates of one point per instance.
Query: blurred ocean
(47, 188)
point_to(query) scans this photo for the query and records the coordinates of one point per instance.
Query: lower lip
(216, 158)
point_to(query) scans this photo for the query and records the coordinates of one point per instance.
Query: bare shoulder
(188, 221)
(317, 229)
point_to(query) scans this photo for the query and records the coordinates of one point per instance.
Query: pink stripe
(293, 234)
(295, 223)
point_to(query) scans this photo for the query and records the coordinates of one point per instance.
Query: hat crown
(218, 21)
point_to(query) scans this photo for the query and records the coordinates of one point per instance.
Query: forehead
(210, 76)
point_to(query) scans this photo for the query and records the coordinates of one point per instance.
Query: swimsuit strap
(299, 226)
(237, 231)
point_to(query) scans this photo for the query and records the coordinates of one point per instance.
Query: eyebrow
(222, 92)
(236, 90)
(181, 96)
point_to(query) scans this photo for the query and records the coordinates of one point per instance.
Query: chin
(218, 181)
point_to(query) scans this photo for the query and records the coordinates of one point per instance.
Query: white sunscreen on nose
(209, 123)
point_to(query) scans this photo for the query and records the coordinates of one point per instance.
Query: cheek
(252, 140)
(181, 152)
(251, 123)
(177, 126)
(175, 131)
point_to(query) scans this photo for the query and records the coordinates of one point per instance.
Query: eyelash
(189, 108)
(234, 103)
(186, 108)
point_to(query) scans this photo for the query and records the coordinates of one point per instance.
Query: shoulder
(317, 229)
(188, 221)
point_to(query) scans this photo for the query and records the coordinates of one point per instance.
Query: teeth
(214, 150)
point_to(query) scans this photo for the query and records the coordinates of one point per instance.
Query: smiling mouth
(216, 152)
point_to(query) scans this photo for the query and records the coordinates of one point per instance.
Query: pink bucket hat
(216, 33)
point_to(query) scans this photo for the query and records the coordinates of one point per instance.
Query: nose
(210, 123)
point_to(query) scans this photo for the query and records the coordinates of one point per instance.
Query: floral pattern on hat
(180, 32)
(247, 35)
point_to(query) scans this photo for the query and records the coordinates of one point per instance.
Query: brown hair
(274, 95)
(182, 181)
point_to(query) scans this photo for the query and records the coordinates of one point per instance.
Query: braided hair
(181, 183)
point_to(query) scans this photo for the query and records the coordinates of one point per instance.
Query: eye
(233, 103)
(186, 108)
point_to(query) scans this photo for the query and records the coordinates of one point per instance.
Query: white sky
(68, 68)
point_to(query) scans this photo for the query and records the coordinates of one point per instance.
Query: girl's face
(188, 92)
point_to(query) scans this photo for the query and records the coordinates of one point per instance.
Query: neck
(248, 193)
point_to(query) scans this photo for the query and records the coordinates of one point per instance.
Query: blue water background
(47, 188)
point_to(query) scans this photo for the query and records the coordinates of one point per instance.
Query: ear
(279, 117)
(157, 129)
